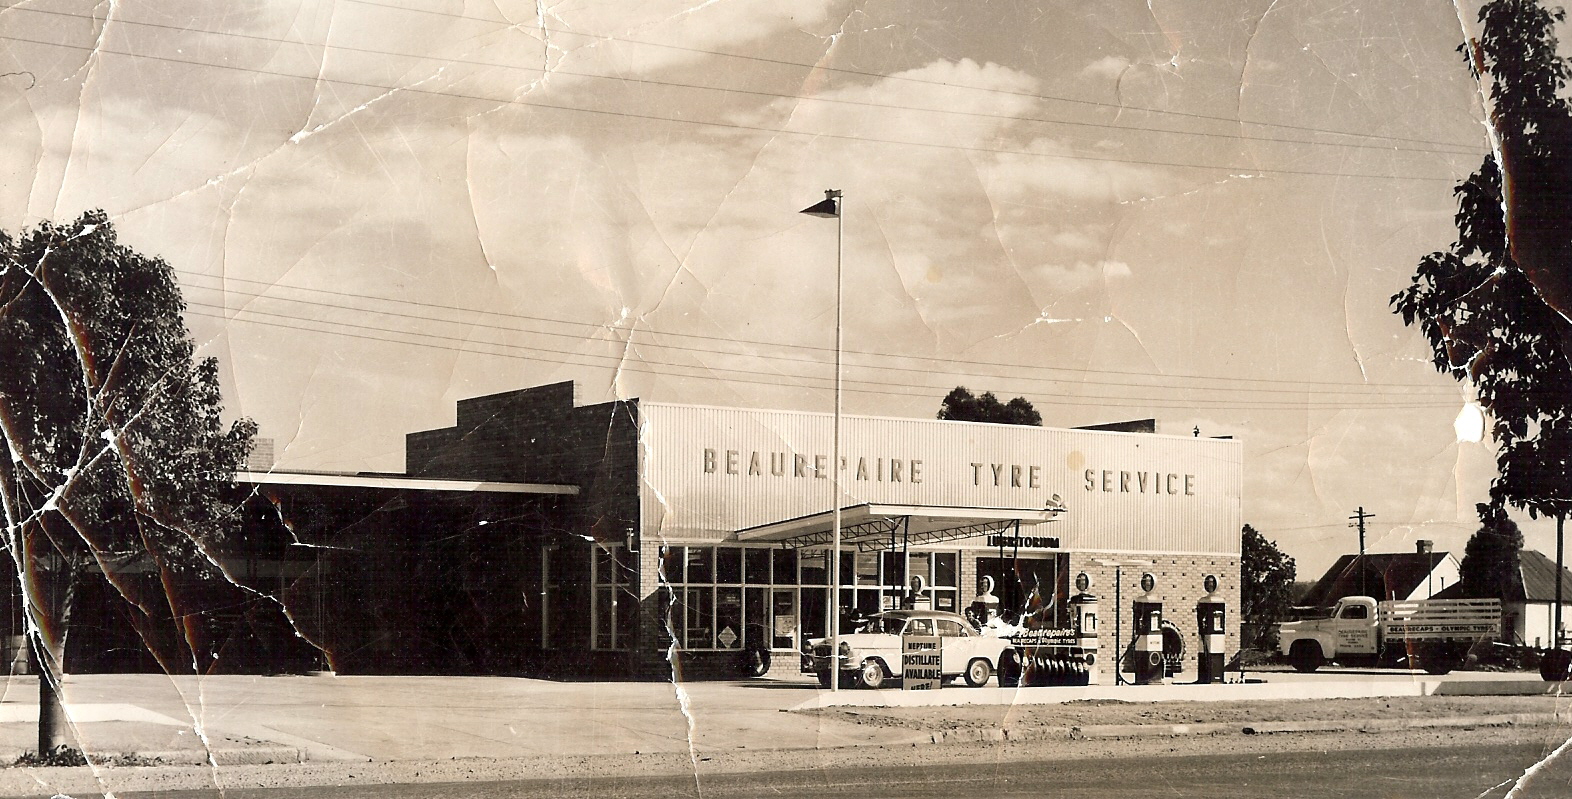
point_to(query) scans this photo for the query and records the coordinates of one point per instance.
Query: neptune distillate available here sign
(920, 662)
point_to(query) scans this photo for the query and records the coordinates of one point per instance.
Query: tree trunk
(52, 725)
(47, 639)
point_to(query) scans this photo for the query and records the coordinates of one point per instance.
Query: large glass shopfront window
(614, 603)
(727, 598)
(1036, 586)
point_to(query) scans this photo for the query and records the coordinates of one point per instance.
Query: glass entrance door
(784, 623)
(1026, 587)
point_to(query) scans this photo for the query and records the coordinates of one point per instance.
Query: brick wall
(1178, 585)
(968, 580)
(653, 637)
(538, 435)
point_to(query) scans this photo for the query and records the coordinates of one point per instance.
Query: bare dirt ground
(1539, 740)
(1097, 712)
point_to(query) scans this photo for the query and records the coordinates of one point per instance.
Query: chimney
(1425, 546)
(261, 457)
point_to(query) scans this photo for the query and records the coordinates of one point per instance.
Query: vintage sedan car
(872, 657)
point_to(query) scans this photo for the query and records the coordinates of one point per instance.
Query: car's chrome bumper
(815, 663)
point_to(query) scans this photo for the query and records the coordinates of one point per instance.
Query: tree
(112, 445)
(1490, 559)
(1266, 581)
(1516, 54)
(961, 406)
(1493, 305)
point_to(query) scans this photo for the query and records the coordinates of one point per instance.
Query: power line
(811, 361)
(908, 79)
(622, 363)
(317, 79)
(1352, 388)
(926, 391)
(622, 79)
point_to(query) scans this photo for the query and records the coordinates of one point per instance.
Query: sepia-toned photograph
(831, 398)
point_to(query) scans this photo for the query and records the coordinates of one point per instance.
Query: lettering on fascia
(884, 469)
(784, 464)
(1007, 475)
(1110, 481)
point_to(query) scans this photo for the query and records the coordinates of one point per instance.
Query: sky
(1194, 211)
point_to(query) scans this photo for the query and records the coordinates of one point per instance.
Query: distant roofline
(373, 480)
(640, 401)
(873, 417)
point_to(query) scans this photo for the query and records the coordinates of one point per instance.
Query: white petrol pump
(1148, 656)
(1211, 616)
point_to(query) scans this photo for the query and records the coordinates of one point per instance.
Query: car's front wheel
(977, 672)
(872, 674)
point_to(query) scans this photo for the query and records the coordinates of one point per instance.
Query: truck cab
(1350, 629)
(1354, 624)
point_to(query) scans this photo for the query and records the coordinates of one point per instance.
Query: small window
(894, 565)
(728, 565)
(919, 627)
(671, 559)
(867, 568)
(1356, 612)
(756, 562)
(944, 569)
(950, 628)
(700, 565)
(605, 566)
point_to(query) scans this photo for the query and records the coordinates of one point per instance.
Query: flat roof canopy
(874, 527)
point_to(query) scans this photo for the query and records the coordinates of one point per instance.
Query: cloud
(682, 26)
(1110, 67)
(1083, 273)
(929, 103)
(1076, 241)
(1053, 170)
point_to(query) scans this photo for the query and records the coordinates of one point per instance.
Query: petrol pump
(985, 605)
(1210, 622)
(1083, 613)
(1148, 634)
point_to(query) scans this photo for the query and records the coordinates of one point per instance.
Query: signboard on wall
(709, 472)
(920, 662)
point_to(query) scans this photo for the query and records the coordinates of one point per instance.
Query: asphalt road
(1466, 772)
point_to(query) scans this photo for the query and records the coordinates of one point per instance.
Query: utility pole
(1358, 520)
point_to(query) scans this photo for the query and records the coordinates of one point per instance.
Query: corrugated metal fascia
(1140, 526)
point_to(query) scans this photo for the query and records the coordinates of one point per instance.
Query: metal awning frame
(874, 531)
(894, 532)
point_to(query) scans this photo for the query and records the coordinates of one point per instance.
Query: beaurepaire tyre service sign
(708, 472)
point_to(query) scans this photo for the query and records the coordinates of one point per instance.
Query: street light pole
(832, 206)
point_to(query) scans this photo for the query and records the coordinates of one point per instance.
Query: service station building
(692, 533)
(629, 539)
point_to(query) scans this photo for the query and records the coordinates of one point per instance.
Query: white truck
(1434, 634)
